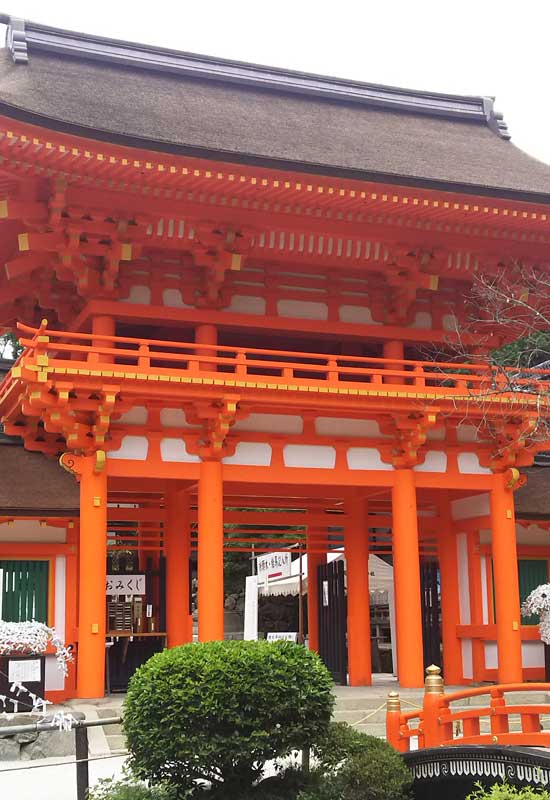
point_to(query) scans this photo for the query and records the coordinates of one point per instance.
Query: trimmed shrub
(354, 766)
(503, 791)
(216, 711)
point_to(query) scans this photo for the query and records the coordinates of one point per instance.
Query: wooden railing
(499, 721)
(134, 357)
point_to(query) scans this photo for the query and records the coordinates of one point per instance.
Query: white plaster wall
(53, 677)
(484, 598)
(135, 416)
(466, 433)
(338, 426)
(435, 461)
(423, 319)
(174, 299)
(270, 423)
(134, 448)
(359, 315)
(309, 455)
(60, 595)
(30, 530)
(449, 322)
(174, 418)
(140, 295)
(302, 309)
(463, 579)
(468, 507)
(468, 464)
(246, 304)
(532, 654)
(253, 454)
(532, 534)
(491, 655)
(366, 458)
(467, 659)
(172, 449)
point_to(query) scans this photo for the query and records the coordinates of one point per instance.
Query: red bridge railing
(500, 720)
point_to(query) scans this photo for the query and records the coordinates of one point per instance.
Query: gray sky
(494, 47)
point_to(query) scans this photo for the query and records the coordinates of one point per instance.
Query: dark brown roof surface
(35, 484)
(215, 108)
(533, 499)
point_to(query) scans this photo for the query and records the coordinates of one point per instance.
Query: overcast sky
(491, 47)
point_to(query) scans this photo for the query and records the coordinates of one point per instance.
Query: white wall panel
(133, 448)
(309, 455)
(254, 454)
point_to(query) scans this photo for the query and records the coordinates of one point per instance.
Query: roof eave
(23, 37)
(251, 159)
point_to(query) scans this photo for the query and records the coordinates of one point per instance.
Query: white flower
(538, 602)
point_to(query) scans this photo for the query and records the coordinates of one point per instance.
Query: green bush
(216, 711)
(353, 766)
(503, 791)
(129, 789)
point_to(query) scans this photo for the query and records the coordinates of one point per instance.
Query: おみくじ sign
(125, 584)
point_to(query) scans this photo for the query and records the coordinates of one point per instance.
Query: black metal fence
(82, 757)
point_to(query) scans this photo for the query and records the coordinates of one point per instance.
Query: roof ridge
(23, 36)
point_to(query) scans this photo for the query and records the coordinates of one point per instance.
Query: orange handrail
(438, 725)
(129, 354)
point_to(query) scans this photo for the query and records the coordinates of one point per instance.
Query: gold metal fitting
(434, 682)
(393, 702)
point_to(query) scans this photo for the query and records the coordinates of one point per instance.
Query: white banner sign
(274, 565)
(125, 584)
(279, 636)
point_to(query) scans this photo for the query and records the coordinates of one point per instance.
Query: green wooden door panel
(25, 591)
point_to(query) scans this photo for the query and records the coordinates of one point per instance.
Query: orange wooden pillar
(396, 350)
(450, 602)
(210, 551)
(476, 603)
(406, 576)
(505, 569)
(206, 334)
(356, 547)
(177, 543)
(102, 326)
(92, 602)
(314, 560)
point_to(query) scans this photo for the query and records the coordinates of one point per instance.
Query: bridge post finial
(393, 722)
(434, 682)
(433, 692)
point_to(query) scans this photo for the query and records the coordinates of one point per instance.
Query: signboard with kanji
(125, 584)
(286, 636)
(274, 565)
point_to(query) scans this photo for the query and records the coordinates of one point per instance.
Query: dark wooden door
(431, 628)
(333, 619)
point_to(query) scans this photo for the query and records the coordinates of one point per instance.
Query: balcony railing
(58, 353)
